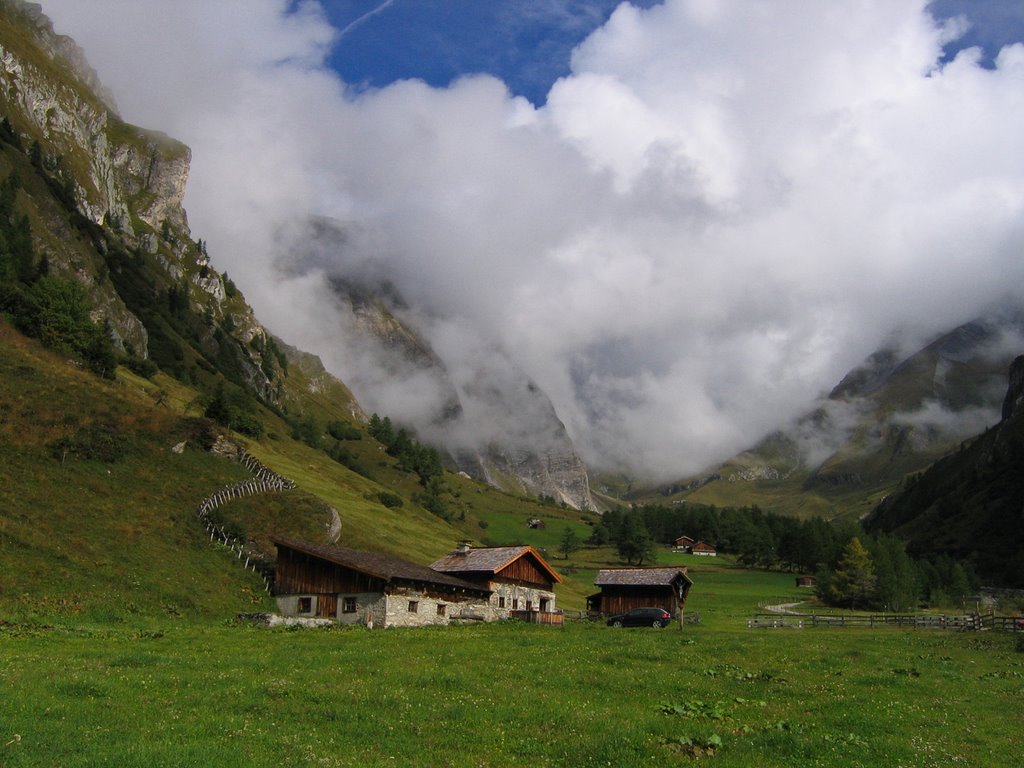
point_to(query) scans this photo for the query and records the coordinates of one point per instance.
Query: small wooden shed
(623, 589)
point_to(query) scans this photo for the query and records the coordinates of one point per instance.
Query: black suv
(641, 617)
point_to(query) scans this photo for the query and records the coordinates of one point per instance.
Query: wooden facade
(518, 577)
(623, 589)
(369, 588)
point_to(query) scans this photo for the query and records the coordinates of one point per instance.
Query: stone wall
(517, 598)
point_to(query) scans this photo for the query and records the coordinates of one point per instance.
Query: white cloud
(724, 207)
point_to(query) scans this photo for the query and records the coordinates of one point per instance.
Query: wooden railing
(962, 622)
(554, 618)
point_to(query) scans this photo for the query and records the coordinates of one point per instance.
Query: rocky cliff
(1014, 401)
(492, 421)
(113, 219)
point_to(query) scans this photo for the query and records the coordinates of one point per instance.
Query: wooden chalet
(703, 549)
(623, 589)
(683, 543)
(518, 577)
(807, 582)
(371, 588)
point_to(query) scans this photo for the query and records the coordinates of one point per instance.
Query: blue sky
(527, 43)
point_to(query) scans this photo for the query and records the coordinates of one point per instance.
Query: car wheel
(616, 623)
(657, 624)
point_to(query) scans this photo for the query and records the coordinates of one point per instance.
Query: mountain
(970, 504)
(893, 415)
(103, 201)
(492, 421)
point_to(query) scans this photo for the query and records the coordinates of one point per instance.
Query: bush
(145, 368)
(96, 442)
(390, 500)
(341, 430)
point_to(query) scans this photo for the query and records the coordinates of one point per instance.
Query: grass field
(117, 645)
(181, 694)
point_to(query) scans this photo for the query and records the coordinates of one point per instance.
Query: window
(529, 605)
(348, 605)
(305, 605)
(515, 603)
(440, 609)
(414, 606)
(545, 604)
(501, 602)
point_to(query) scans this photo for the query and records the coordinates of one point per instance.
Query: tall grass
(507, 695)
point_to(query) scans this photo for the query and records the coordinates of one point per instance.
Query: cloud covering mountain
(722, 209)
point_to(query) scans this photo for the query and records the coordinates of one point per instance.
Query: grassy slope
(107, 539)
(121, 539)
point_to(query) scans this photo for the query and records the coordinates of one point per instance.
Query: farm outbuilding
(809, 582)
(518, 578)
(683, 543)
(703, 549)
(623, 589)
(370, 588)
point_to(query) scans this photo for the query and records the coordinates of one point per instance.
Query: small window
(529, 605)
(348, 605)
(515, 603)
(501, 602)
(545, 604)
(440, 609)
(305, 605)
(414, 606)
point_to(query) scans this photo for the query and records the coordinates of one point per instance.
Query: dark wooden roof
(490, 560)
(388, 568)
(640, 577)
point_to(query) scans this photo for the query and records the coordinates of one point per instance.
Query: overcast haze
(720, 210)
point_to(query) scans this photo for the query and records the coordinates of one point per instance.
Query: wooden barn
(518, 578)
(704, 549)
(683, 543)
(806, 582)
(625, 588)
(370, 588)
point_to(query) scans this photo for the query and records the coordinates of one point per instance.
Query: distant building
(806, 581)
(625, 588)
(684, 543)
(703, 549)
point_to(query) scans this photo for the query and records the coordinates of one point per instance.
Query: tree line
(853, 568)
(52, 309)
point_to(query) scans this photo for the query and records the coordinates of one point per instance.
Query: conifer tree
(853, 580)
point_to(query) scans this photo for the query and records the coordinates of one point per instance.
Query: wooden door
(327, 606)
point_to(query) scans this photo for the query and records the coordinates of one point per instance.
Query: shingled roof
(489, 560)
(639, 577)
(388, 568)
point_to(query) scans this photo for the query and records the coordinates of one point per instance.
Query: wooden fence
(962, 622)
(265, 481)
(553, 618)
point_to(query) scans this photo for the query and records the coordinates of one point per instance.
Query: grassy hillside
(99, 514)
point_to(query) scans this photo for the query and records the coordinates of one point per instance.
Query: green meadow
(179, 693)
(118, 645)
